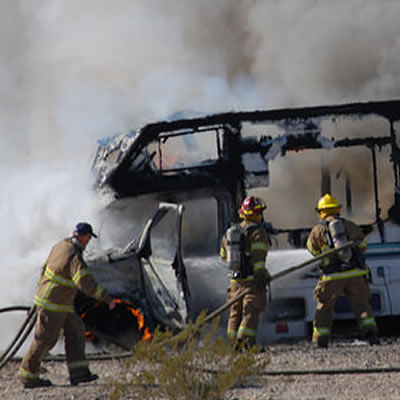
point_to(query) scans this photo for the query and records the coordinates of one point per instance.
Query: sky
(72, 72)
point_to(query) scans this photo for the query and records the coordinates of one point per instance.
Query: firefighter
(345, 272)
(247, 271)
(62, 275)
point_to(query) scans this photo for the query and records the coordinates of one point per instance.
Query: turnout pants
(327, 292)
(49, 325)
(244, 314)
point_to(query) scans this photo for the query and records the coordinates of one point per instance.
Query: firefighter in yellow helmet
(246, 255)
(62, 275)
(345, 272)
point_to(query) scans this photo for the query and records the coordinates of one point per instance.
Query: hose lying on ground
(334, 371)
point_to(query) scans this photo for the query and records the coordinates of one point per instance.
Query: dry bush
(195, 364)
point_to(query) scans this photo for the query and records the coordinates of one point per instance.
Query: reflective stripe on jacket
(64, 273)
(317, 244)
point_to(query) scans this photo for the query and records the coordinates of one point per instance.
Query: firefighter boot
(241, 345)
(85, 378)
(36, 383)
(237, 345)
(321, 342)
(372, 338)
(244, 344)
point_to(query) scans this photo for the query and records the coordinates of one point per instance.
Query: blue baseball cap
(83, 228)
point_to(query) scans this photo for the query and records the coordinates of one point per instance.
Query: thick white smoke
(74, 71)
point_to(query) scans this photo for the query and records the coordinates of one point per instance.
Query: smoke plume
(72, 72)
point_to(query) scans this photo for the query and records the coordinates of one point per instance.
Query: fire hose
(30, 320)
(21, 335)
(27, 327)
(278, 275)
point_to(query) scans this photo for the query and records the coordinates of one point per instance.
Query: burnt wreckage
(139, 162)
(148, 280)
(222, 156)
(219, 156)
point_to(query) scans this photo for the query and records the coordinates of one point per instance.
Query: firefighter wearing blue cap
(345, 272)
(63, 274)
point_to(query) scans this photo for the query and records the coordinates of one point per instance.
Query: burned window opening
(299, 129)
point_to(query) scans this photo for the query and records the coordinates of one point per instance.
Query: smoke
(316, 52)
(73, 72)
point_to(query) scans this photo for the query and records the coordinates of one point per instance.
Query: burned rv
(225, 156)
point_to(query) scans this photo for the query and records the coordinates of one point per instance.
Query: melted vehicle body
(225, 156)
(147, 275)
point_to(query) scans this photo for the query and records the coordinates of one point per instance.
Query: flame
(89, 336)
(146, 336)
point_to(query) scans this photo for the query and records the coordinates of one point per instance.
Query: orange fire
(89, 335)
(146, 335)
(140, 319)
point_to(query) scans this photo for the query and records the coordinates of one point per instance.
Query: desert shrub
(196, 364)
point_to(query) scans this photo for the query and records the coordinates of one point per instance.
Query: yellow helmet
(327, 201)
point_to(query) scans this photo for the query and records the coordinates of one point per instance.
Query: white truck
(292, 309)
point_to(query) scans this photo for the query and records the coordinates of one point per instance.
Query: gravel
(348, 369)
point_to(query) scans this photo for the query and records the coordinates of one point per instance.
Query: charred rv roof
(213, 155)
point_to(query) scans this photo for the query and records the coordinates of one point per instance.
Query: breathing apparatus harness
(346, 259)
(237, 260)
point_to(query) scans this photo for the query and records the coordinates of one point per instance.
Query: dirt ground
(347, 370)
